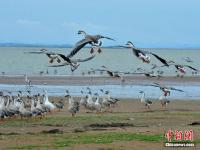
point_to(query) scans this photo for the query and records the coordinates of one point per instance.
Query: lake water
(15, 61)
(190, 92)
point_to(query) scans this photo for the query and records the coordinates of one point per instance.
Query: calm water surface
(15, 61)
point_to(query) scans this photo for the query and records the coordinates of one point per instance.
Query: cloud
(27, 22)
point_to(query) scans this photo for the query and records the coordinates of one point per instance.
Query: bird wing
(171, 88)
(157, 84)
(49, 54)
(34, 52)
(151, 85)
(191, 68)
(83, 60)
(160, 59)
(110, 73)
(78, 46)
(64, 58)
(59, 65)
(98, 69)
(137, 51)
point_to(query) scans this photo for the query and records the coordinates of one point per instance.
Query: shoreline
(98, 80)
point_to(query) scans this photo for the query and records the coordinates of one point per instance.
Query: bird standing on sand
(74, 106)
(145, 101)
(59, 104)
(47, 103)
(97, 104)
(27, 81)
(164, 101)
(24, 112)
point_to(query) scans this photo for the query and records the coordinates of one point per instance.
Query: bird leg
(146, 61)
(98, 45)
(58, 60)
(51, 60)
(99, 50)
(74, 67)
(92, 50)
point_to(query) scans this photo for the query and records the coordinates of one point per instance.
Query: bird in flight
(93, 40)
(144, 55)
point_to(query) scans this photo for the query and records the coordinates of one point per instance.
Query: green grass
(105, 138)
(68, 140)
(62, 120)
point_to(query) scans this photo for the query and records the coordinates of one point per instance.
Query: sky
(147, 23)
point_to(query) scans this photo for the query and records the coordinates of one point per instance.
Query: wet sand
(98, 80)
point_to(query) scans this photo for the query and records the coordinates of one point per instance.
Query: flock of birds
(27, 105)
(39, 105)
(95, 42)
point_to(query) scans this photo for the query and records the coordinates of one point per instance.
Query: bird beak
(105, 37)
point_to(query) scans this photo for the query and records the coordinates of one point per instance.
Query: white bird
(97, 104)
(47, 103)
(27, 81)
(145, 101)
(164, 101)
(90, 103)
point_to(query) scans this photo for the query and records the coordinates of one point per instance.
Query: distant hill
(35, 45)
